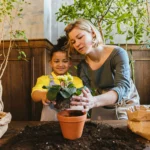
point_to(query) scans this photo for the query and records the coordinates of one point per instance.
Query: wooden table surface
(16, 126)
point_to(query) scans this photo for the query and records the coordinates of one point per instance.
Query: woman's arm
(108, 98)
(120, 64)
(89, 101)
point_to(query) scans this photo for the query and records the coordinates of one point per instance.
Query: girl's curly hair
(61, 46)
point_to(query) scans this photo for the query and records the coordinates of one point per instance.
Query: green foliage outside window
(129, 17)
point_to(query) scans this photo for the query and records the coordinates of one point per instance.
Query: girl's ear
(70, 63)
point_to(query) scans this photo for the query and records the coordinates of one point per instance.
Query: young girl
(60, 64)
(106, 68)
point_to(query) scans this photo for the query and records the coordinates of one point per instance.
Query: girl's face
(81, 40)
(60, 63)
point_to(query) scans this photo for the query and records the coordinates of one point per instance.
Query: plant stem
(6, 60)
(147, 5)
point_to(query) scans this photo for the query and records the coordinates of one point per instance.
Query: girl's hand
(87, 100)
(45, 101)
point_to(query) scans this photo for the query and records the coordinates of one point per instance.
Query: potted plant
(71, 120)
(72, 123)
(62, 93)
(10, 11)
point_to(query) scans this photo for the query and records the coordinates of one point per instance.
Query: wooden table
(16, 126)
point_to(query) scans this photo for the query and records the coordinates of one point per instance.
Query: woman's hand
(87, 100)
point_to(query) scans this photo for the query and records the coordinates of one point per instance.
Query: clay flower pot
(72, 123)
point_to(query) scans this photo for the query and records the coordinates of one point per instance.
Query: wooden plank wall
(142, 74)
(141, 56)
(21, 76)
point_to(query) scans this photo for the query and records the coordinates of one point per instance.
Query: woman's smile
(81, 49)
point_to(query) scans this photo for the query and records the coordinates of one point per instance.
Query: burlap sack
(5, 119)
(139, 120)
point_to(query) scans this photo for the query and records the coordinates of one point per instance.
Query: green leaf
(104, 14)
(129, 38)
(78, 91)
(52, 92)
(22, 53)
(75, 67)
(45, 87)
(118, 28)
(68, 92)
(21, 9)
(93, 91)
(65, 94)
(19, 57)
(70, 85)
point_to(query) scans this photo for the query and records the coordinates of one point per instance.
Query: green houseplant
(129, 18)
(63, 92)
(71, 121)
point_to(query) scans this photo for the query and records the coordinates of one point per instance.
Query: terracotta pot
(72, 123)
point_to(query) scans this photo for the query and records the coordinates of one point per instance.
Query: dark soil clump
(73, 113)
(95, 137)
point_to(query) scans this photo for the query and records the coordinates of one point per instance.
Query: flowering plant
(64, 91)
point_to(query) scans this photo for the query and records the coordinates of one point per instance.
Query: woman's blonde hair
(83, 25)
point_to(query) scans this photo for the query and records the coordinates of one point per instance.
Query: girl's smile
(60, 63)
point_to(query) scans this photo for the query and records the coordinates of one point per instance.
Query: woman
(106, 68)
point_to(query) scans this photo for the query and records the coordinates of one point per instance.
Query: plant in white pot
(10, 13)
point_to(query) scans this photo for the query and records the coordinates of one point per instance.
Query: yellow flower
(70, 78)
(61, 78)
(65, 80)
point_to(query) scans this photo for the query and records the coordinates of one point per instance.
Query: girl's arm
(40, 96)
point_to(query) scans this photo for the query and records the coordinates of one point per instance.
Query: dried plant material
(139, 120)
(2, 114)
(6, 119)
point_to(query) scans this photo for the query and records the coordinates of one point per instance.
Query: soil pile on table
(95, 136)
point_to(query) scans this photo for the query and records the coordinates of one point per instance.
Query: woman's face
(81, 40)
(60, 63)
